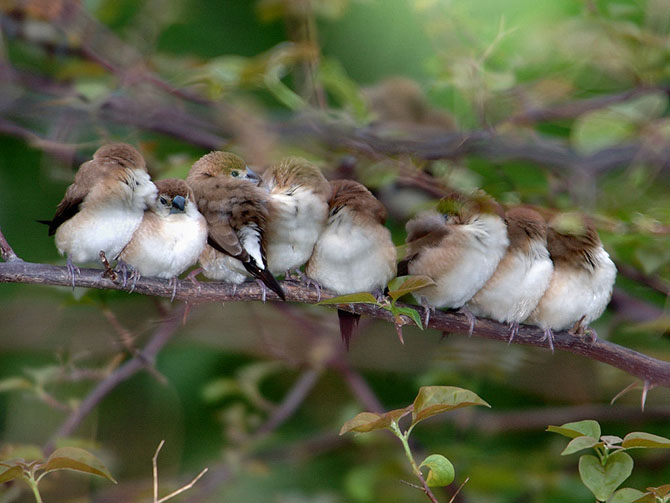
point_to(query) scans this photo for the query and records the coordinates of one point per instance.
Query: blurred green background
(601, 70)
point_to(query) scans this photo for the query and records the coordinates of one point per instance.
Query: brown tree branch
(652, 371)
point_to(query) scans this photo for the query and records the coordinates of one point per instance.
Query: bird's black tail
(348, 325)
(266, 277)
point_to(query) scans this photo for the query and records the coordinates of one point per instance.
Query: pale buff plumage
(458, 248)
(172, 234)
(236, 211)
(104, 206)
(523, 274)
(582, 281)
(354, 253)
(299, 196)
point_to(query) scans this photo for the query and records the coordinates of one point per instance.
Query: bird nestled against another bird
(236, 210)
(103, 207)
(354, 253)
(583, 278)
(299, 196)
(523, 274)
(171, 236)
(459, 248)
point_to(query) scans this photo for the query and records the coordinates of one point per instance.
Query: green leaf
(413, 314)
(600, 129)
(371, 421)
(640, 439)
(433, 400)
(8, 473)
(403, 285)
(440, 470)
(14, 383)
(352, 298)
(580, 443)
(626, 495)
(74, 458)
(601, 480)
(587, 428)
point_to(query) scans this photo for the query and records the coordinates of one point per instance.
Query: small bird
(582, 282)
(299, 196)
(354, 252)
(523, 274)
(103, 207)
(236, 210)
(458, 247)
(171, 236)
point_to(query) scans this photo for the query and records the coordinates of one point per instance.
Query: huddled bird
(236, 210)
(518, 266)
(583, 278)
(171, 236)
(103, 207)
(523, 274)
(458, 247)
(298, 205)
(354, 253)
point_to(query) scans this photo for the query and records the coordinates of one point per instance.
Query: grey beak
(251, 175)
(178, 203)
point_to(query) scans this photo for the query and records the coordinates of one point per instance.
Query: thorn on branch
(6, 250)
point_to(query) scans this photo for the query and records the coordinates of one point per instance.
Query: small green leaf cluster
(603, 473)
(397, 288)
(430, 401)
(65, 458)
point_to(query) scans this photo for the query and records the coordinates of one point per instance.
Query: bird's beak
(252, 175)
(178, 203)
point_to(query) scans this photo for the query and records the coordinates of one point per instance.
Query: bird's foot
(72, 270)
(470, 317)
(548, 336)
(134, 275)
(378, 294)
(427, 310)
(312, 282)
(191, 276)
(109, 272)
(513, 330)
(264, 289)
(122, 268)
(173, 283)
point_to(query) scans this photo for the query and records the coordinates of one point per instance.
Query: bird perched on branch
(299, 196)
(103, 207)
(523, 274)
(582, 282)
(354, 252)
(458, 247)
(236, 210)
(171, 236)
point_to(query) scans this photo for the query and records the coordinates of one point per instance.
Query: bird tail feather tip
(266, 277)
(348, 325)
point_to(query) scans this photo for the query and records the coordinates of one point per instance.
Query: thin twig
(154, 463)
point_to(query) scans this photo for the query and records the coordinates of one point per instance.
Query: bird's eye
(234, 173)
(163, 200)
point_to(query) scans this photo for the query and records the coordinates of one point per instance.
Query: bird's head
(174, 196)
(222, 164)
